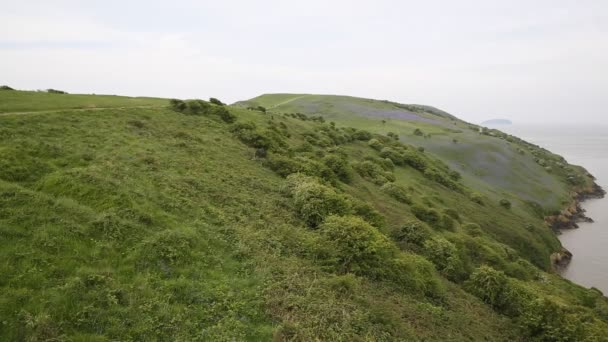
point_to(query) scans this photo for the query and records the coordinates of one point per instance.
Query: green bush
(496, 289)
(362, 135)
(215, 101)
(452, 213)
(477, 198)
(339, 166)
(414, 160)
(373, 172)
(428, 215)
(505, 203)
(412, 232)
(55, 91)
(354, 245)
(418, 132)
(283, 165)
(247, 133)
(545, 320)
(224, 114)
(5, 87)
(473, 229)
(368, 213)
(396, 191)
(314, 202)
(375, 144)
(177, 105)
(445, 256)
(393, 155)
(416, 274)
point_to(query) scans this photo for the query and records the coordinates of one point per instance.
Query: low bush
(5, 87)
(375, 144)
(397, 192)
(362, 135)
(497, 290)
(546, 320)
(414, 160)
(505, 203)
(224, 114)
(473, 229)
(314, 201)
(55, 91)
(393, 155)
(428, 215)
(445, 256)
(412, 233)
(477, 198)
(339, 166)
(373, 172)
(368, 213)
(354, 245)
(215, 101)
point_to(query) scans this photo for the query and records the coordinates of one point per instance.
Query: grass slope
(32, 101)
(493, 166)
(151, 224)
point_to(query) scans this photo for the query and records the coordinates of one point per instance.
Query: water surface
(585, 145)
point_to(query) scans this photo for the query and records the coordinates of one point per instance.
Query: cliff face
(569, 218)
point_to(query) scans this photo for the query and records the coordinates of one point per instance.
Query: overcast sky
(524, 60)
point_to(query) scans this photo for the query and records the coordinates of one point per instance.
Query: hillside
(157, 220)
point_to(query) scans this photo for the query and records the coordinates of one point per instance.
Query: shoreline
(569, 218)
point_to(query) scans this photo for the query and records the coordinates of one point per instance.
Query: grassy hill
(194, 221)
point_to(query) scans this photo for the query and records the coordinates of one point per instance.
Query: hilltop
(285, 217)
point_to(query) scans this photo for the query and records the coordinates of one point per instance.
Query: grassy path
(73, 110)
(287, 101)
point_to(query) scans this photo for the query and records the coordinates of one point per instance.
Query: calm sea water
(586, 146)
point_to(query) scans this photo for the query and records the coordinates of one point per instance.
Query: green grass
(149, 224)
(31, 101)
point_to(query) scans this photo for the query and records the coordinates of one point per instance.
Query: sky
(528, 61)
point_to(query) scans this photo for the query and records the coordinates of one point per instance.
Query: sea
(585, 145)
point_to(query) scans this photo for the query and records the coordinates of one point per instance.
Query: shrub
(473, 229)
(396, 191)
(412, 232)
(368, 213)
(414, 160)
(55, 91)
(452, 213)
(416, 274)
(354, 245)
(283, 165)
(249, 135)
(393, 155)
(505, 203)
(375, 144)
(339, 167)
(395, 136)
(447, 223)
(444, 255)
(427, 215)
(496, 289)
(177, 105)
(372, 171)
(362, 135)
(545, 320)
(224, 114)
(418, 132)
(5, 87)
(314, 202)
(477, 198)
(216, 101)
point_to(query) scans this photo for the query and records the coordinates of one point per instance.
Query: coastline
(569, 218)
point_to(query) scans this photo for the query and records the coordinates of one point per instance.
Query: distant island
(495, 122)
